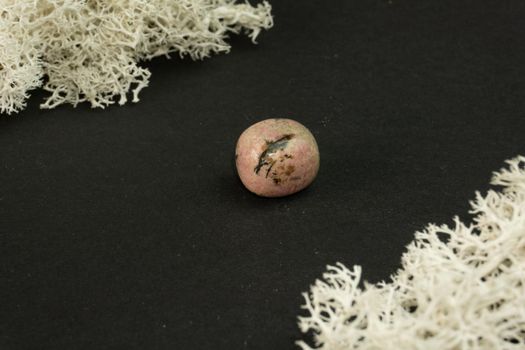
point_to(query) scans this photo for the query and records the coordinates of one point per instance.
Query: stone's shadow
(231, 190)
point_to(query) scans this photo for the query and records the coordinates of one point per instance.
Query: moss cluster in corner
(89, 50)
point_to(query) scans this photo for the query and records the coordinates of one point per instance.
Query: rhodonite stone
(276, 157)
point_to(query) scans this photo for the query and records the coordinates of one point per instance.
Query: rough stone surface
(277, 157)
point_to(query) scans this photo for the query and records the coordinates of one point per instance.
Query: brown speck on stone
(289, 170)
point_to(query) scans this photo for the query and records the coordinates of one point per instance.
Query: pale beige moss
(460, 287)
(89, 50)
(20, 65)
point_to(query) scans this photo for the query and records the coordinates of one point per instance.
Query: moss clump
(89, 50)
(459, 287)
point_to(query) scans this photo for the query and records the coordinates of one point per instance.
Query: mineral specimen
(277, 157)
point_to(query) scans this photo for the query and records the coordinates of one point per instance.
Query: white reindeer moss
(460, 287)
(88, 50)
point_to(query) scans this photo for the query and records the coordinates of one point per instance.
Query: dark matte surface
(127, 228)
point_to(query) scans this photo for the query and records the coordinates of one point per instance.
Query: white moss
(89, 50)
(20, 65)
(460, 287)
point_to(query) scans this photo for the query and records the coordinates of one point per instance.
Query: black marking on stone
(270, 168)
(272, 147)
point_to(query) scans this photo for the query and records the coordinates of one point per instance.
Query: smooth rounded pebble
(277, 157)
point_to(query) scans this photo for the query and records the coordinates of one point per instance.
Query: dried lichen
(89, 50)
(460, 287)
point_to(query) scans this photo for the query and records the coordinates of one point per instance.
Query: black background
(127, 228)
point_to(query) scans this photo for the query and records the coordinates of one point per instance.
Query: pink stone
(277, 157)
